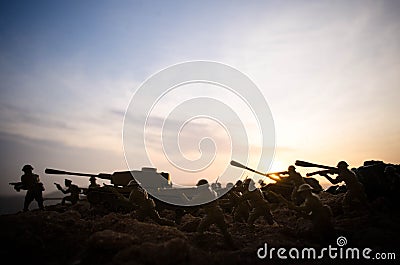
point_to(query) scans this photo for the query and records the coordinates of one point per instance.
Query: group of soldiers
(246, 202)
(34, 189)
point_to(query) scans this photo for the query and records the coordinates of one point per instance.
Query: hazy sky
(330, 71)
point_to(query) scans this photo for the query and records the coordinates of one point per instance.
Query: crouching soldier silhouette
(31, 183)
(213, 213)
(257, 201)
(297, 180)
(71, 188)
(241, 208)
(93, 183)
(314, 210)
(145, 206)
(355, 190)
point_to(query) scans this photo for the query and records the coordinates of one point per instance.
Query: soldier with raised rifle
(73, 189)
(355, 189)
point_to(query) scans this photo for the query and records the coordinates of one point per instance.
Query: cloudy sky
(329, 70)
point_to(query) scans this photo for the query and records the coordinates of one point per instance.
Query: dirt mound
(75, 235)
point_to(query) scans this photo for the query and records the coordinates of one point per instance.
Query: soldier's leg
(28, 199)
(179, 213)
(153, 214)
(74, 200)
(294, 194)
(296, 198)
(141, 214)
(241, 214)
(204, 224)
(221, 224)
(66, 198)
(257, 212)
(39, 199)
(268, 216)
(347, 202)
(235, 214)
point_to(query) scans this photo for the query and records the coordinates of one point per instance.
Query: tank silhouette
(114, 197)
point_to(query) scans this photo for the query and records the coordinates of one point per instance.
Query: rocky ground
(76, 235)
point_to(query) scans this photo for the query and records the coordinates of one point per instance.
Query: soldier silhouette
(314, 210)
(71, 188)
(241, 208)
(214, 214)
(297, 180)
(34, 187)
(145, 206)
(355, 189)
(259, 204)
(93, 183)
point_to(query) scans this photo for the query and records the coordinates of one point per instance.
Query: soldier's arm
(245, 196)
(59, 188)
(283, 178)
(330, 179)
(305, 207)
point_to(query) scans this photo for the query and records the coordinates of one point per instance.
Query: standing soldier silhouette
(34, 187)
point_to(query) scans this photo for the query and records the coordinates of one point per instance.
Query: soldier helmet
(27, 167)
(202, 182)
(304, 187)
(68, 181)
(389, 169)
(342, 164)
(133, 183)
(247, 181)
(291, 168)
(229, 185)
